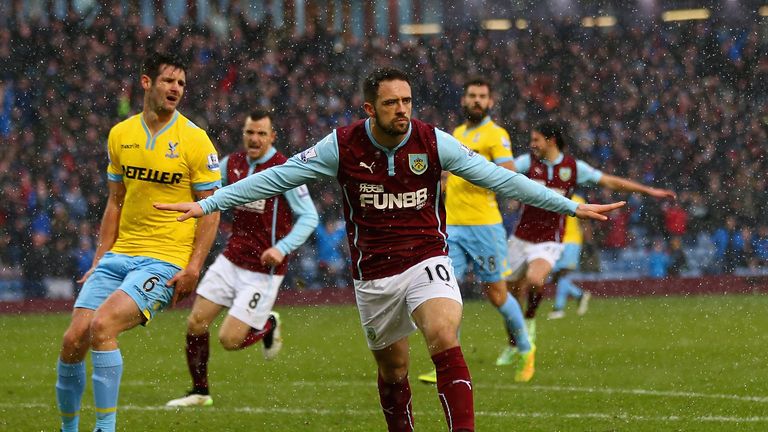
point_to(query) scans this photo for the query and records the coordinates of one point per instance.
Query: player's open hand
(662, 193)
(597, 211)
(183, 283)
(190, 209)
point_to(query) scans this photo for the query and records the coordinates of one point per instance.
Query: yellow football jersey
(465, 203)
(166, 167)
(573, 232)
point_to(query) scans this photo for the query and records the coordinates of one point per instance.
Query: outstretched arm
(626, 185)
(597, 211)
(463, 162)
(185, 281)
(190, 209)
(320, 160)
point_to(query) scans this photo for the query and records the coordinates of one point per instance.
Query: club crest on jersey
(370, 333)
(565, 173)
(418, 162)
(172, 154)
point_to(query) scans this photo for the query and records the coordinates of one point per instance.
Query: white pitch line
(640, 392)
(349, 412)
(518, 387)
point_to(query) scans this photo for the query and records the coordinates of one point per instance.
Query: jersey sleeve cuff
(573, 205)
(207, 186)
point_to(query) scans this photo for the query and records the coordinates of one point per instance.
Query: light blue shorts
(569, 260)
(140, 277)
(482, 246)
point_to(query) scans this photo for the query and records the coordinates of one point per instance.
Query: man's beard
(392, 130)
(474, 116)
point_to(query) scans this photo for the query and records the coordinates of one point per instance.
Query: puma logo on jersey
(368, 167)
(390, 201)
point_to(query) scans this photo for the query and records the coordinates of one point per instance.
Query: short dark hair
(259, 113)
(477, 81)
(552, 129)
(374, 79)
(153, 62)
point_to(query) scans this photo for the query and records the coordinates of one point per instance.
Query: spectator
(10, 271)
(677, 260)
(35, 265)
(658, 261)
(760, 247)
(661, 101)
(329, 240)
(61, 270)
(675, 219)
(729, 246)
(616, 234)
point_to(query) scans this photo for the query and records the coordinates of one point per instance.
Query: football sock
(454, 388)
(198, 349)
(69, 392)
(513, 317)
(566, 288)
(255, 335)
(396, 404)
(561, 295)
(107, 371)
(572, 289)
(534, 299)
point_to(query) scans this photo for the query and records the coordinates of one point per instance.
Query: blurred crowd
(680, 106)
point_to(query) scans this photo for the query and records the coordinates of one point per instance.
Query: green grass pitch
(631, 364)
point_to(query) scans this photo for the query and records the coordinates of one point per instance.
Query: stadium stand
(681, 106)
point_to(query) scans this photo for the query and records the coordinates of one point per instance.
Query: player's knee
(75, 340)
(102, 328)
(442, 337)
(497, 293)
(230, 342)
(196, 325)
(394, 370)
(536, 280)
(393, 375)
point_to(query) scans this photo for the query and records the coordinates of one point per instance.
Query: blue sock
(69, 392)
(107, 371)
(561, 294)
(569, 287)
(513, 317)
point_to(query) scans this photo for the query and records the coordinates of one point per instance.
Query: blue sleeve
(322, 159)
(460, 160)
(585, 173)
(304, 211)
(223, 170)
(523, 163)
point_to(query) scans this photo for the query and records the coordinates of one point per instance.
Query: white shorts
(249, 295)
(521, 252)
(386, 304)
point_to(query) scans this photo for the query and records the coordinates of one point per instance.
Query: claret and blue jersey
(392, 204)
